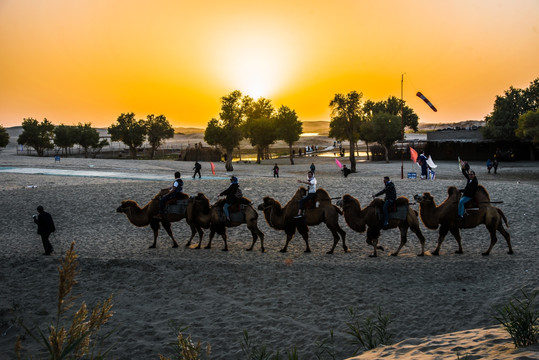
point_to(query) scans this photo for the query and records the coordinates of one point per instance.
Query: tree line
(515, 116)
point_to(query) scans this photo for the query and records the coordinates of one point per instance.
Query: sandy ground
(441, 307)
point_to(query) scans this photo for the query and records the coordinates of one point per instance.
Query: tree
(88, 139)
(346, 116)
(129, 131)
(386, 129)
(226, 131)
(502, 122)
(367, 134)
(65, 136)
(37, 135)
(394, 106)
(158, 129)
(4, 137)
(259, 127)
(528, 130)
(288, 128)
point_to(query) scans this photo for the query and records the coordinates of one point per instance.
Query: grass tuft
(520, 319)
(369, 333)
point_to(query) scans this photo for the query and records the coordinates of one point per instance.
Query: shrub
(369, 333)
(520, 319)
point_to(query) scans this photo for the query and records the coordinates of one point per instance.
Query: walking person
(45, 226)
(495, 165)
(311, 192)
(312, 167)
(276, 171)
(391, 197)
(197, 169)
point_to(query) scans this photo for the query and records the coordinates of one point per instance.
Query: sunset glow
(91, 60)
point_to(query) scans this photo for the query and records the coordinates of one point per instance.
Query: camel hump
(402, 201)
(482, 194)
(182, 196)
(246, 201)
(322, 195)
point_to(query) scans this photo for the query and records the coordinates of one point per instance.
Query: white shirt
(312, 186)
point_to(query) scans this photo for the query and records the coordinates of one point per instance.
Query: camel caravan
(200, 215)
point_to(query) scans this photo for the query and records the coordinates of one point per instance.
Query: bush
(520, 319)
(369, 333)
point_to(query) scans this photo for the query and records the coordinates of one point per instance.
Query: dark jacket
(44, 222)
(233, 193)
(471, 185)
(389, 190)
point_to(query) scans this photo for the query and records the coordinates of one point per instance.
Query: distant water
(97, 174)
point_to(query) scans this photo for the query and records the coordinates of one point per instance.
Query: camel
(141, 217)
(358, 219)
(281, 218)
(202, 215)
(445, 216)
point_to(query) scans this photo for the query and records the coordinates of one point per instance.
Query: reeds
(520, 318)
(369, 333)
(74, 342)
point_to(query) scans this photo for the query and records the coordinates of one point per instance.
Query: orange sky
(91, 60)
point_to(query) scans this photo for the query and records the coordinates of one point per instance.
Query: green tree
(288, 127)
(65, 136)
(130, 131)
(227, 130)
(528, 130)
(386, 129)
(4, 137)
(88, 138)
(502, 122)
(367, 134)
(259, 126)
(394, 106)
(346, 116)
(159, 129)
(37, 135)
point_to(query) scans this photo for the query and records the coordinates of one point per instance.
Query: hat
(233, 180)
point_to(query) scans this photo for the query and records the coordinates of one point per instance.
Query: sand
(441, 307)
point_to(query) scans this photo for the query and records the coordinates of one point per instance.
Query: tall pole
(402, 130)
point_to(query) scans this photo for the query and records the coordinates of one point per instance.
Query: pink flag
(413, 154)
(212, 168)
(338, 163)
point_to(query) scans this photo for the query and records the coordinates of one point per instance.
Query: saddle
(311, 203)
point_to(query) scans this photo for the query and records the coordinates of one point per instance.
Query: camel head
(127, 205)
(266, 202)
(425, 198)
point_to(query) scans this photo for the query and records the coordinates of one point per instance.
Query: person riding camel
(469, 191)
(311, 192)
(391, 197)
(173, 193)
(233, 195)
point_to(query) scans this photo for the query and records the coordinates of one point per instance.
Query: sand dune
(441, 306)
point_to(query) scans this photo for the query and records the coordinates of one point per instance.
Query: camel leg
(212, 234)
(335, 240)
(193, 233)
(304, 231)
(261, 236)
(225, 248)
(417, 231)
(154, 224)
(289, 236)
(444, 229)
(456, 233)
(166, 226)
(372, 238)
(404, 231)
(493, 240)
(343, 236)
(507, 237)
(254, 234)
(200, 236)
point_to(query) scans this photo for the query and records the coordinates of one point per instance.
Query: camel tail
(339, 211)
(503, 217)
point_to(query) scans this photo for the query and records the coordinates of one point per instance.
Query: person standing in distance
(45, 226)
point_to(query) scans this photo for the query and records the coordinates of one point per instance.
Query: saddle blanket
(235, 216)
(179, 208)
(400, 214)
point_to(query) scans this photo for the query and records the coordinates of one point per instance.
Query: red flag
(212, 168)
(413, 154)
(338, 163)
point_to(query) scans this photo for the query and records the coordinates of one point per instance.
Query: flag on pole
(212, 168)
(413, 154)
(338, 163)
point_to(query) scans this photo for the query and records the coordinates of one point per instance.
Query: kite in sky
(422, 97)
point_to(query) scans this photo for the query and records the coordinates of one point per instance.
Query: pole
(402, 131)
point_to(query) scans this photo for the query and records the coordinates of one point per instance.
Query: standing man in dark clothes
(469, 191)
(276, 171)
(391, 197)
(45, 226)
(197, 169)
(313, 168)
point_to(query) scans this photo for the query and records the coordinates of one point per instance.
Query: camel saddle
(311, 203)
(398, 210)
(177, 205)
(236, 210)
